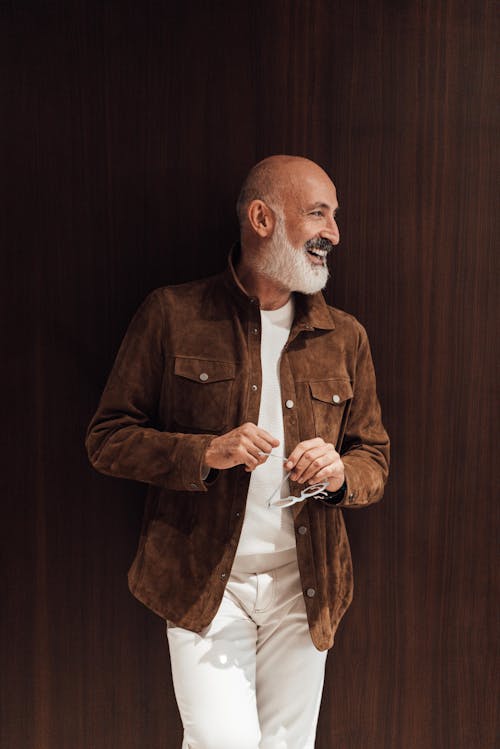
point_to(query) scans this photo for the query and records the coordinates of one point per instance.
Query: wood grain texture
(126, 130)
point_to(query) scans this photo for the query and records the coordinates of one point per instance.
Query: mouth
(317, 256)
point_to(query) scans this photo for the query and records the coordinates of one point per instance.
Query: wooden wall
(126, 129)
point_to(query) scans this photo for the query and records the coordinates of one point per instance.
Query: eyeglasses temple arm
(277, 490)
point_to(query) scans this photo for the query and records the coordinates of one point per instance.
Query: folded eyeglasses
(313, 490)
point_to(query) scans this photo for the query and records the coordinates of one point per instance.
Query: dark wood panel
(126, 129)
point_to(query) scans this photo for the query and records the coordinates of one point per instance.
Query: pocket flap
(204, 370)
(336, 392)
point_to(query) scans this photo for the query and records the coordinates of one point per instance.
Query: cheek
(299, 237)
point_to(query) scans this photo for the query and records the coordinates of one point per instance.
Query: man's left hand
(316, 460)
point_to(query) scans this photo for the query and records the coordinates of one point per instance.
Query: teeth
(320, 253)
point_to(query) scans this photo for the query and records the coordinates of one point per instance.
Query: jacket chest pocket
(202, 393)
(331, 401)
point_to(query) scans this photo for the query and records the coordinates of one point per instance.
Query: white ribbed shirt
(267, 531)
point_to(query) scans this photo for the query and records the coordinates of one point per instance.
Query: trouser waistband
(262, 562)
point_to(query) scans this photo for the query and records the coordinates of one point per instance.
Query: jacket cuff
(208, 474)
(193, 470)
(333, 498)
(365, 483)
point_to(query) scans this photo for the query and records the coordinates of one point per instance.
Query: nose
(331, 231)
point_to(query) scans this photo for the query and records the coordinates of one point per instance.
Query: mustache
(319, 243)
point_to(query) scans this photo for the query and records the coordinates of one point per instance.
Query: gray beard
(289, 266)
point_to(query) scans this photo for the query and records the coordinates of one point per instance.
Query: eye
(316, 213)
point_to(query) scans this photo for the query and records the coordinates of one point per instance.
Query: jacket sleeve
(365, 447)
(124, 438)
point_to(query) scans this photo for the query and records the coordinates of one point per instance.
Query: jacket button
(254, 388)
(289, 404)
(302, 530)
(255, 331)
(223, 576)
(336, 398)
(310, 592)
(351, 495)
(237, 514)
(203, 377)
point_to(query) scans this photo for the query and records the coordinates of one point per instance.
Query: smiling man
(249, 407)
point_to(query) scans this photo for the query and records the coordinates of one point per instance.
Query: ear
(261, 218)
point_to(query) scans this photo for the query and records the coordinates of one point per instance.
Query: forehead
(310, 188)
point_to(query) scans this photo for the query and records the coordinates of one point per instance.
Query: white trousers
(252, 679)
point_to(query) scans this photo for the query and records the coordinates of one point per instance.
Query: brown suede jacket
(189, 369)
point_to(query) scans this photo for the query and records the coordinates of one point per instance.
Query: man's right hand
(245, 445)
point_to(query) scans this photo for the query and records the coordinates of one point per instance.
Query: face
(293, 268)
(304, 233)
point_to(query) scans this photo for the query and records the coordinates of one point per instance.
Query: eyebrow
(323, 205)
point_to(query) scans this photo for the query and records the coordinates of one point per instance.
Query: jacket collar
(311, 310)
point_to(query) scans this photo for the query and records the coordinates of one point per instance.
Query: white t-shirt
(269, 531)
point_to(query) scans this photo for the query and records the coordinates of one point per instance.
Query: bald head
(275, 180)
(287, 210)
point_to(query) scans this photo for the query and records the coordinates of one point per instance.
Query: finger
(250, 429)
(258, 437)
(335, 480)
(258, 448)
(334, 472)
(263, 445)
(253, 457)
(317, 464)
(308, 456)
(310, 463)
(251, 461)
(315, 460)
(267, 438)
(261, 457)
(300, 449)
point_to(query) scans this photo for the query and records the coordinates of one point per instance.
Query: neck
(270, 294)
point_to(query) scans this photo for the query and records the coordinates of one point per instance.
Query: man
(229, 395)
